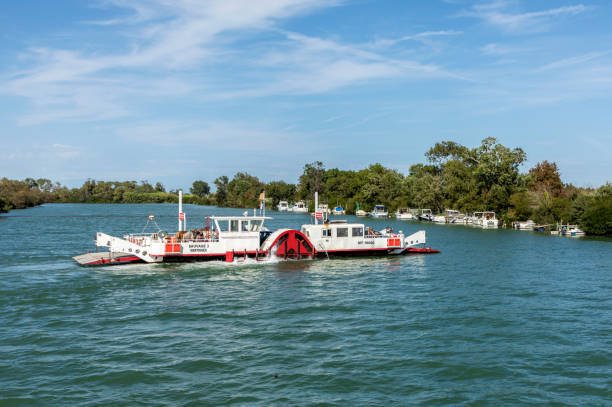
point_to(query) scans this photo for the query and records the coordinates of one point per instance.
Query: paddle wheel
(293, 244)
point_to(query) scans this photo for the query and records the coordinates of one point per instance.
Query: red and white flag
(181, 215)
(319, 215)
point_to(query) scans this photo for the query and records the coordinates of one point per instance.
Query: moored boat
(485, 220)
(338, 210)
(569, 230)
(524, 225)
(380, 211)
(300, 207)
(283, 206)
(425, 215)
(403, 214)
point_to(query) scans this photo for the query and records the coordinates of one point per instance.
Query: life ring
(162, 234)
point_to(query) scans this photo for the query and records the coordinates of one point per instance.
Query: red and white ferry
(236, 238)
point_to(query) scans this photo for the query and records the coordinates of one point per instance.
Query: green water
(500, 317)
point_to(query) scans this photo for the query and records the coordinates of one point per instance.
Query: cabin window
(342, 232)
(357, 232)
(234, 225)
(222, 225)
(255, 225)
(326, 232)
(244, 225)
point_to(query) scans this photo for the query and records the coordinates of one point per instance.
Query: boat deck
(103, 258)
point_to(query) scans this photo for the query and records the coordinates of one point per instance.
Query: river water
(500, 317)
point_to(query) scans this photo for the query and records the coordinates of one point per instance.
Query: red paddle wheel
(293, 244)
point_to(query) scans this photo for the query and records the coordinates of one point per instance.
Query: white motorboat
(300, 207)
(425, 215)
(485, 220)
(570, 230)
(403, 214)
(380, 212)
(526, 225)
(283, 206)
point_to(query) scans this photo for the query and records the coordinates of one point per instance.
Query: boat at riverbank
(485, 220)
(300, 207)
(236, 238)
(380, 211)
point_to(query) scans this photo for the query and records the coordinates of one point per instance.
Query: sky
(180, 90)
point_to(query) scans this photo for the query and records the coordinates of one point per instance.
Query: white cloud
(576, 60)
(164, 39)
(497, 14)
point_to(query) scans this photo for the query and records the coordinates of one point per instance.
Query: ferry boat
(300, 207)
(283, 206)
(380, 212)
(236, 238)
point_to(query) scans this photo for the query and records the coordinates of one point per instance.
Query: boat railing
(140, 239)
(376, 236)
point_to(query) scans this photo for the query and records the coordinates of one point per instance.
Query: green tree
(221, 192)
(311, 180)
(200, 188)
(545, 177)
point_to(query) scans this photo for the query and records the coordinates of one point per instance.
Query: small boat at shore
(338, 210)
(426, 215)
(404, 214)
(524, 225)
(568, 231)
(485, 220)
(300, 207)
(283, 206)
(360, 212)
(380, 211)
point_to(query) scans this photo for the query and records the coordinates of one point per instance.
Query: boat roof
(238, 217)
(379, 206)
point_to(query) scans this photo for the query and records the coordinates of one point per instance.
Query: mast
(181, 216)
(316, 207)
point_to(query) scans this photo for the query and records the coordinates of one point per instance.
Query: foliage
(597, 216)
(200, 188)
(278, 191)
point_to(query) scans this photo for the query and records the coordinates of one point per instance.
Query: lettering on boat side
(198, 247)
(365, 242)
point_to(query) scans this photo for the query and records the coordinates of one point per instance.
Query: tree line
(486, 177)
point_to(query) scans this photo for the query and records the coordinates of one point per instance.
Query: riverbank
(484, 178)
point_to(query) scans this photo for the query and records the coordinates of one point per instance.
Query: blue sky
(178, 90)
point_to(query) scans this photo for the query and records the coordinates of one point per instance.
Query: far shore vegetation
(486, 177)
